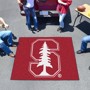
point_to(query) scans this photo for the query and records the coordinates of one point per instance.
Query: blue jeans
(28, 12)
(85, 40)
(61, 18)
(6, 36)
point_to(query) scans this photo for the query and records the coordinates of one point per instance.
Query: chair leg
(80, 19)
(76, 19)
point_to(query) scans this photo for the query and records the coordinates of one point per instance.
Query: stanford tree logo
(45, 58)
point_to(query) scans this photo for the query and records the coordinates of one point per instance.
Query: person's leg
(34, 19)
(61, 18)
(61, 22)
(85, 40)
(6, 49)
(27, 13)
(7, 35)
(83, 48)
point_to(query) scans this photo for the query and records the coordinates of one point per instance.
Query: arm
(4, 24)
(69, 2)
(59, 1)
(19, 2)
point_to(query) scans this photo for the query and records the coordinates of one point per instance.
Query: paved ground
(9, 10)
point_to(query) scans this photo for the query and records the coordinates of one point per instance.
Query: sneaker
(37, 30)
(58, 29)
(11, 55)
(80, 51)
(14, 37)
(33, 32)
(15, 44)
(30, 29)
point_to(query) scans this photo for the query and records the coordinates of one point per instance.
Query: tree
(45, 60)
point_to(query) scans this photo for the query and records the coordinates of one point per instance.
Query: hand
(37, 0)
(6, 26)
(20, 4)
(65, 4)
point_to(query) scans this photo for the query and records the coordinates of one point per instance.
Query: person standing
(62, 8)
(84, 43)
(28, 7)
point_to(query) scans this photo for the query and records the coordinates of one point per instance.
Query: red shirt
(63, 8)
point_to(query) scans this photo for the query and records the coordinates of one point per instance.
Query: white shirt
(30, 3)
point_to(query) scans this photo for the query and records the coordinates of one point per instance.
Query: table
(86, 13)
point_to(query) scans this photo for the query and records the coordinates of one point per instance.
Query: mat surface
(45, 58)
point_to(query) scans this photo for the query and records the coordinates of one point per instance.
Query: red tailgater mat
(45, 58)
